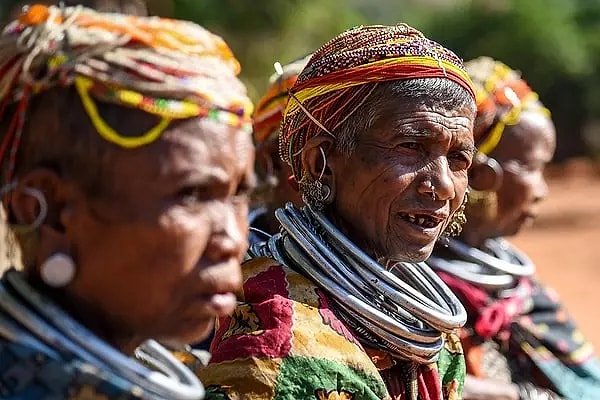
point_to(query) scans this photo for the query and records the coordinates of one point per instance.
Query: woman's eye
(461, 158)
(410, 145)
(193, 194)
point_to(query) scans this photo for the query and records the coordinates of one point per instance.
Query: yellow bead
(129, 97)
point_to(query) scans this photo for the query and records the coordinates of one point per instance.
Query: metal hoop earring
(35, 193)
(495, 166)
(39, 196)
(324, 162)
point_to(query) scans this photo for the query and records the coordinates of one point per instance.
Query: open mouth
(421, 220)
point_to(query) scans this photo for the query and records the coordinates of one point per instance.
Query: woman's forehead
(420, 120)
(532, 137)
(197, 145)
(533, 128)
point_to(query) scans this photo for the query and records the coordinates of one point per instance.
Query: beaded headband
(502, 95)
(268, 112)
(171, 69)
(338, 73)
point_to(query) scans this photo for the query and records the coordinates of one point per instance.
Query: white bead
(58, 270)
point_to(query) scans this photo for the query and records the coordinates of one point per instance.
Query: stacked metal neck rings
(29, 319)
(403, 311)
(499, 266)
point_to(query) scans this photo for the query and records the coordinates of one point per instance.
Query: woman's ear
(39, 191)
(42, 201)
(316, 164)
(314, 158)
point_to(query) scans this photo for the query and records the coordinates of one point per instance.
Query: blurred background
(554, 43)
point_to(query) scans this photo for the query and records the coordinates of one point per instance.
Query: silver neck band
(403, 311)
(29, 319)
(499, 266)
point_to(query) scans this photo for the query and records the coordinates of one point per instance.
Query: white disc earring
(58, 270)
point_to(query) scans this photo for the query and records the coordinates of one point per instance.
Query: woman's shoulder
(266, 278)
(285, 338)
(28, 373)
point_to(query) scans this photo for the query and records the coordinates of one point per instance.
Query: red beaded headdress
(332, 85)
(168, 68)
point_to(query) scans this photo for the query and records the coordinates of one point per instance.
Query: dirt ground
(565, 242)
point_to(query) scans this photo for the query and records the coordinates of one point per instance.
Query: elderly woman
(378, 133)
(277, 186)
(126, 157)
(517, 331)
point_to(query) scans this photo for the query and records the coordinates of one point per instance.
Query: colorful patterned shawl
(536, 335)
(284, 342)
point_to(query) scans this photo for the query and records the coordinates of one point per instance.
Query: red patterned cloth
(284, 342)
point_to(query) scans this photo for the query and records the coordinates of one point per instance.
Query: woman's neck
(474, 233)
(90, 317)
(351, 233)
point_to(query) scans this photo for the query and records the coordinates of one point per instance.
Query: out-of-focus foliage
(555, 43)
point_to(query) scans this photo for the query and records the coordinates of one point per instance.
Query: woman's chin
(193, 334)
(412, 252)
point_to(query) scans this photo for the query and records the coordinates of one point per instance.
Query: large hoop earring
(314, 192)
(39, 196)
(495, 166)
(324, 163)
(41, 199)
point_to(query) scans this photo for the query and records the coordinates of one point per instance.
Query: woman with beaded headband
(517, 330)
(126, 156)
(378, 133)
(131, 7)
(277, 186)
(274, 189)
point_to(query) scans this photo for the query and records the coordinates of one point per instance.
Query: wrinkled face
(383, 191)
(161, 257)
(523, 152)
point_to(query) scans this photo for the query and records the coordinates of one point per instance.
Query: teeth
(424, 222)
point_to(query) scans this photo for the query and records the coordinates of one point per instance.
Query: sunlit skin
(523, 152)
(390, 174)
(158, 257)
